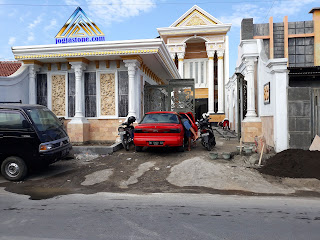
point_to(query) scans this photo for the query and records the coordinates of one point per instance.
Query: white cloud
(31, 37)
(12, 40)
(36, 22)
(261, 13)
(53, 24)
(115, 10)
(290, 7)
(243, 11)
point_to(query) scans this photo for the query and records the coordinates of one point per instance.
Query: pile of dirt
(294, 163)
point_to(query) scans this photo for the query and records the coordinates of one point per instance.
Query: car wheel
(139, 149)
(14, 168)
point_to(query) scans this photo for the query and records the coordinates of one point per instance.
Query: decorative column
(210, 82)
(220, 82)
(249, 77)
(173, 56)
(132, 66)
(79, 128)
(33, 69)
(78, 68)
(180, 64)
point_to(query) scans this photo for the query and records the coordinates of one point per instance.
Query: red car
(161, 129)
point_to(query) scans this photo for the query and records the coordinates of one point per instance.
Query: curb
(101, 150)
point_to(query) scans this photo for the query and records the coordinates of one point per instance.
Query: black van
(30, 136)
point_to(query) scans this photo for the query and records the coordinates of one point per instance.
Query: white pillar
(249, 77)
(180, 64)
(33, 69)
(220, 83)
(132, 66)
(279, 84)
(173, 56)
(210, 82)
(79, 116)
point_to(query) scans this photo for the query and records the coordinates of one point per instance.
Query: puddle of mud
(39, 193)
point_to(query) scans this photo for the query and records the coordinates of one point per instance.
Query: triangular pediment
(79, 25)
(195, 16)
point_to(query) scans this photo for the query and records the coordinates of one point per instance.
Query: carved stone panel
(107, 93)
(58, 94)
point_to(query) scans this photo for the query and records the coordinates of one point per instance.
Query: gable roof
(195, 16)
(8, 68)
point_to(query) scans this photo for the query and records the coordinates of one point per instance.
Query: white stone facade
(258, 71)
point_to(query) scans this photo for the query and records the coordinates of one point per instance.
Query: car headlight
(45, 147)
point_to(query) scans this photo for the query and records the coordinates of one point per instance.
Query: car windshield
(44, 119)
(160, 118)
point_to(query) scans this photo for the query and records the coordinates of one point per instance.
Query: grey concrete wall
(299, 116)
(261, 29)
(300, 27)
(301, 50)
(15, 88)
(278, 39)
(247, 29)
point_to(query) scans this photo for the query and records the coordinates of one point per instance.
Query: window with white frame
(123, 87)
(90, 94)
(196, 69)
(42, 89)
(71, 94)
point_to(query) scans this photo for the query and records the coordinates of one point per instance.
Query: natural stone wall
(58, 94)
(250, 130)
(78, 132)
(103, 129)
(107, 93)
(268, 130)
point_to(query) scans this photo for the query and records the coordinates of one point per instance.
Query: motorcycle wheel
(209, 147)
(125, 144)
(214, 143)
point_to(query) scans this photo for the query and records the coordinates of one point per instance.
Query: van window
(44, 119)
(11, 120)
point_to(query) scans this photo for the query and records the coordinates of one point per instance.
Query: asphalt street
(157, 216)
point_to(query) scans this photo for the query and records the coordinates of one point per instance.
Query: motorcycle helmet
(131, 119)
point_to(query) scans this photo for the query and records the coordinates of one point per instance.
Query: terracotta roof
(8, 68)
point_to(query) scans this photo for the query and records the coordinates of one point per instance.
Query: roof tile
(8, 68)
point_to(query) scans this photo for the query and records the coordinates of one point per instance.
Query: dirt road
(158, 170)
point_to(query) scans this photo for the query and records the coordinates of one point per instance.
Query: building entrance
(201, 107)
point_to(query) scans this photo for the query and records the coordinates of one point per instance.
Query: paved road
(158, 216)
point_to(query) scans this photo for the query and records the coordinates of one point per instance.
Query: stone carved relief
(58, 94)
(194, 21)
(182, 99)
(107, 93)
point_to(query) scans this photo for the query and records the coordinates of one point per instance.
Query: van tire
(14, 169)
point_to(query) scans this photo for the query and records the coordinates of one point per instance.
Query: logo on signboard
(79, 28)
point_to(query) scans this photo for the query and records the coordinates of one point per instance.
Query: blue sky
(36, 22)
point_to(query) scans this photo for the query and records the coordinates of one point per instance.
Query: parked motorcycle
(206, 133)
(125, 130)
